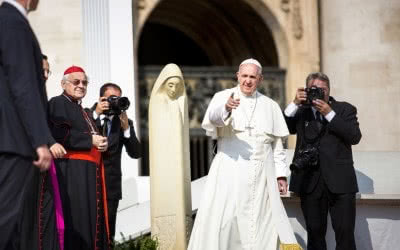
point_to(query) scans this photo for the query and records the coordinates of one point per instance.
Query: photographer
(322, 170)
(112, 120)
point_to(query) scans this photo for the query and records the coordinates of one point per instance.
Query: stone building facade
(357, 43)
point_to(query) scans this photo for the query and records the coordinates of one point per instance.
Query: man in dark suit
(23, 127)
(120, 132)
(330, 184)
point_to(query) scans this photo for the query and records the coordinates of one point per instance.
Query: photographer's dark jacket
(335, 154)
(112, 157)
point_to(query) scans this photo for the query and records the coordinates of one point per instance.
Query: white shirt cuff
(291, 109)
(127, 133)
(330, 116)
(95, 116)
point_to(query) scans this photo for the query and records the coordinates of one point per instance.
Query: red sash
(94, 156)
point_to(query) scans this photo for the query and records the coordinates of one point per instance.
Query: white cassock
(241, 207)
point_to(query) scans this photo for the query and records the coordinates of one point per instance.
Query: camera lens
(123, 103)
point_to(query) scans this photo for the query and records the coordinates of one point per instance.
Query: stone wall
(360, 54)
(58, 27)
(360, 47)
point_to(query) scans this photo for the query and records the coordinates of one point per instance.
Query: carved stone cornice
(294, 8)
(297, 22)
(285, 5)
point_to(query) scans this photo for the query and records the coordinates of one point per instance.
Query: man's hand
(301, 96)
(282, 185)
(100, 142)
(232, 103)
(123, 117)
(102, 105)
(57, 150)
(44, 158)
(322, 106)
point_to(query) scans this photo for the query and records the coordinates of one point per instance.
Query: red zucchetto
(73, 69)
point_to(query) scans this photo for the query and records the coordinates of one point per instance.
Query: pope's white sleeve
(219, 116)
(279, 158)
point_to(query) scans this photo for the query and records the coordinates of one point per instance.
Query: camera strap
(311, 127)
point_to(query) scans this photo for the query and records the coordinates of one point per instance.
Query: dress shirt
(127, 132)
(292, 108)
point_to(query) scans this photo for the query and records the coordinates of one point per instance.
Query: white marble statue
(171, 208)
(241, 208)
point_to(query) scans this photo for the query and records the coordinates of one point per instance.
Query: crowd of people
(70, 200)
(60, 164)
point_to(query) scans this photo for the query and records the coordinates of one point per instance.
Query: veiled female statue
(169, 160)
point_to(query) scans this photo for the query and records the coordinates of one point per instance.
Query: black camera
(117, 105)
(313, 93)
(305, 159)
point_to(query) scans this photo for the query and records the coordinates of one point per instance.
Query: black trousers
(112, 205)
(16, 181)
(342, 209)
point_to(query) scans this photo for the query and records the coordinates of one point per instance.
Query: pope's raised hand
(232, 103)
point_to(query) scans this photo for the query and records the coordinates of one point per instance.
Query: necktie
(106, 126)
(320, 118)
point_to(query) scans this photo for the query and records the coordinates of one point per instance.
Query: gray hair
(318, 75)
(65, 77)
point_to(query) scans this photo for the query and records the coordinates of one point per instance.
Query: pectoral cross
(249, 128)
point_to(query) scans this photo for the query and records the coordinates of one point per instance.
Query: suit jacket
(23, 99)
(335, 154)
(112, 157)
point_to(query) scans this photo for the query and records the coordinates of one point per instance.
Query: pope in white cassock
(241, 206)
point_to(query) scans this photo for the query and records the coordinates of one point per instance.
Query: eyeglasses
(76, 82)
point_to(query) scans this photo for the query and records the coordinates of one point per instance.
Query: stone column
(123, 66)
(96, 46)
(109, 57)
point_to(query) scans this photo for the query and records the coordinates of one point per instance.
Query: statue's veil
(169, 71)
